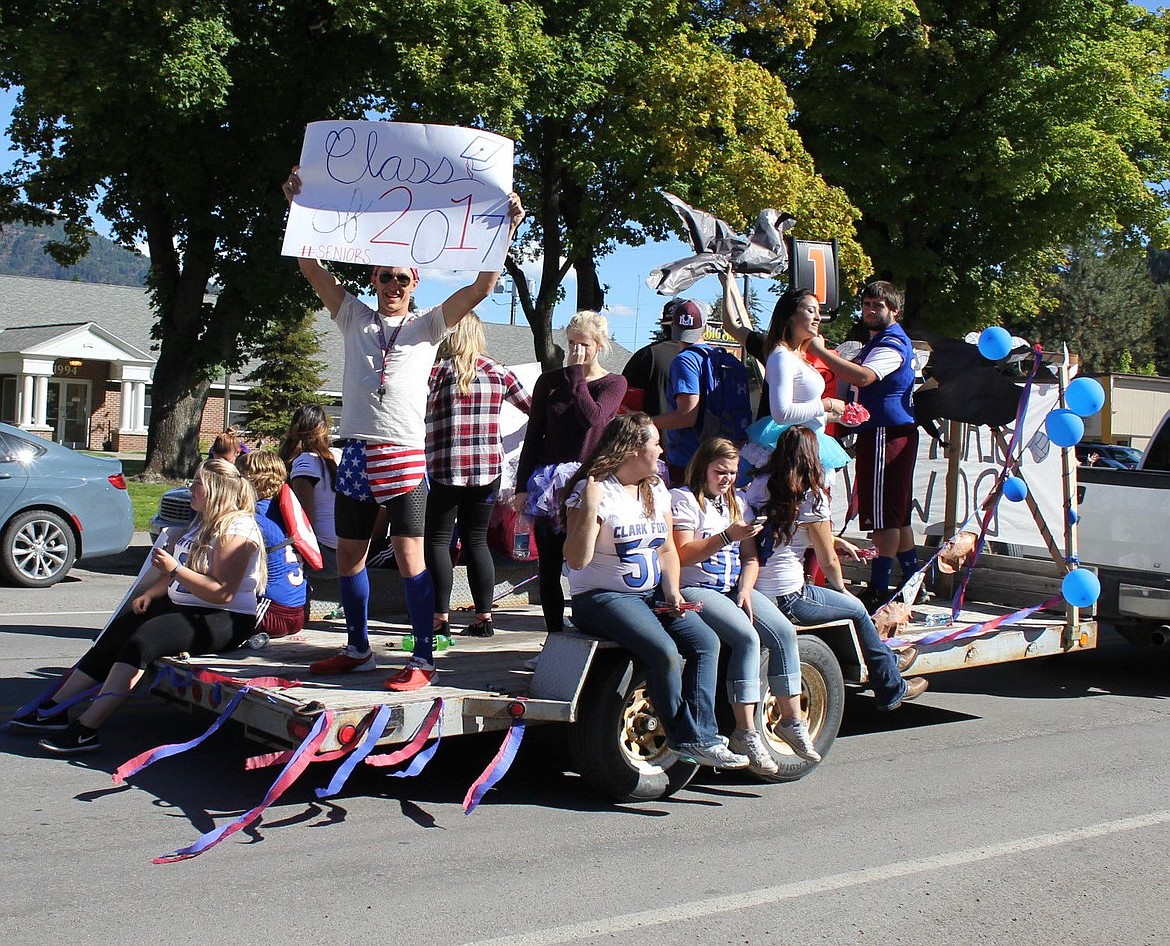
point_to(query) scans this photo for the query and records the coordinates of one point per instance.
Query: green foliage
(978, 138)
(619, 99)
(1106, 307)
(286, 377)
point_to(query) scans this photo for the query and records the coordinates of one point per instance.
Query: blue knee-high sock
(420, 605)
(355, 599)
(908, 560)
(879, 573)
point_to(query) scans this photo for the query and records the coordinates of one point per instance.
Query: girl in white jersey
(623, 567)
(792, 496)
(717, 548)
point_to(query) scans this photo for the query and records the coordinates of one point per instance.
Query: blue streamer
(351, 761)
(497, 769)
(419, 762)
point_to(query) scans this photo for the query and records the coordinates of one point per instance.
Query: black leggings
(472, 506)
(551, 546)
(166, 629)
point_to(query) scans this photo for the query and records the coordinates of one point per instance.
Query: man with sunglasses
(389, 352)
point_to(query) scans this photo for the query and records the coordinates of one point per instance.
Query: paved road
(1018, 804)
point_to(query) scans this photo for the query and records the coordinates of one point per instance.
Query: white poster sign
(980, 465)
(402, 194)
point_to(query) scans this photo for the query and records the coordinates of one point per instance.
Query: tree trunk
(590, 295)
(180, 385)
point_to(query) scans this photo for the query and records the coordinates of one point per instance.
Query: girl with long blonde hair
(465, 460)
(202, 599)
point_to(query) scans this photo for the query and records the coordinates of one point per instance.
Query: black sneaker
(34, 722)
(480, 629)
(73, 741)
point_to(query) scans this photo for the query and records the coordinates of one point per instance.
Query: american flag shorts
(379, 471)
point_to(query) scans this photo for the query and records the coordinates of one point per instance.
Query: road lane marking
(51, 614)
(699, 909)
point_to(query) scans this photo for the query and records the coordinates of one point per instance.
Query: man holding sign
(389, 352)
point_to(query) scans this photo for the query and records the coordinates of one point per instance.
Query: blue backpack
(726, 405)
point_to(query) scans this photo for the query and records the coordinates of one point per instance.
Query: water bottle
(257, 641)
(442, 642)
(521, 538)
(939, 619)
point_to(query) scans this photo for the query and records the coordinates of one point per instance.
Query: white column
(41, 401)
(26, 401)
(127, 409)
(139, 405)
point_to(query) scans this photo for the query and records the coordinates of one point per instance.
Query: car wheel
(822, 699)
(618, 743)
(37, 548)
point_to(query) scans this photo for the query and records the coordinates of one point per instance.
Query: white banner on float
(402, 194)
(980, 465)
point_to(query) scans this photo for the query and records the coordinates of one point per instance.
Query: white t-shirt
(625, 556)
(244, 600)
(782, 569)
(399, 417)
(721, 570)
(312, 467)
(795, 390)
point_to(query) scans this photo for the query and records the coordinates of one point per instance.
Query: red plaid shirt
(464, 447)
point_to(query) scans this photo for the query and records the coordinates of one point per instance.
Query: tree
(286, 377)
(181, 121)
(622, 98)
(981, 137)
(1104, 305)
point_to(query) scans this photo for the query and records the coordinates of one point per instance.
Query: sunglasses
(401, 278)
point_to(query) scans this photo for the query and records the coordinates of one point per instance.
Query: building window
(146, 408)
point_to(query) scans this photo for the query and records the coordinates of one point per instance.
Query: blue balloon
(1080, 588)
(995, 343)
(1073, 517)
(1065, 429)
(1014, 489)
(1084, 396)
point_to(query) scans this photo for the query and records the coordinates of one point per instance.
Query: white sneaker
(748, 742)
(715, 756)
(795, 733)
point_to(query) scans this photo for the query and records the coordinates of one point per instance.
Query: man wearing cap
(647, 373)
(887, 443)
(389, 352)
(684, 392)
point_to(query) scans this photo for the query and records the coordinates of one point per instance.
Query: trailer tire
(822, 699)
(618, 745)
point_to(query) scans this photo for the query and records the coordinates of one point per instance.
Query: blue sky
(632, 308)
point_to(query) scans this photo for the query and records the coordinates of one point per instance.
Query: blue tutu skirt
(764, 434)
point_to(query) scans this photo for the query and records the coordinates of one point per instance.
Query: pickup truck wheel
(822, 699)
(618, 744)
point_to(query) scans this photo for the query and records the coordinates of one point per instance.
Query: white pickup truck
(1124, 532)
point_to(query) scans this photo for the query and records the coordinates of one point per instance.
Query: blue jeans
(680, 655)
(733, 628)
(816, 605)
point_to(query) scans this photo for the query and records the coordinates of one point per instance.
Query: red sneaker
(414, 676)
(347, 660)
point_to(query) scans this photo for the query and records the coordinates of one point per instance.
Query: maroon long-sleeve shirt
(568, 416)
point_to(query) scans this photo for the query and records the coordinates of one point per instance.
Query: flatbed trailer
(594, 690)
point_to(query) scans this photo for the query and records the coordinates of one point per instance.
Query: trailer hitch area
(310, 709)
